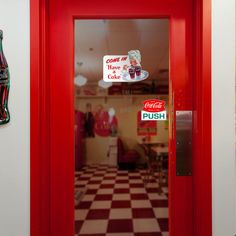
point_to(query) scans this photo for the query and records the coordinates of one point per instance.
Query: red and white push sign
(153, 109)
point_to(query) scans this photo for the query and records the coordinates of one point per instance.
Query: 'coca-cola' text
(153, 105)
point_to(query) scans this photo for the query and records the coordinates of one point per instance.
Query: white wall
(223, 124)
(14, 137)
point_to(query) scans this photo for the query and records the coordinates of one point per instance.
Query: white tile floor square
(94, 227)
(141, 203)
(122, 213)
(81, 214)
(145, 225)
(161, 212)
(121, 197)
(101, 205)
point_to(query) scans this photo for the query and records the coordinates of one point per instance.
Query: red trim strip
(202, 164)
(39, 117)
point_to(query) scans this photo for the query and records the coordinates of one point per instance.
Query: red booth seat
(126, 158)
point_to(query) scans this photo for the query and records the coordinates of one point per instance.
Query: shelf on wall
(130, 97)
(122, 96)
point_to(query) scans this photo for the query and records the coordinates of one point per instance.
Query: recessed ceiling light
(80, 80)
(103, 84)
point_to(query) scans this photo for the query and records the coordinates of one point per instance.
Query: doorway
(121, 161)
(52, 111)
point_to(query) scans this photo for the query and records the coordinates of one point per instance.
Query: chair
(126, 158)
(154, 164)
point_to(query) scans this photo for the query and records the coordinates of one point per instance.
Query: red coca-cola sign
(153, 105)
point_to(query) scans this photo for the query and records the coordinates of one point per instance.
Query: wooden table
(160, 150)
(149, 145)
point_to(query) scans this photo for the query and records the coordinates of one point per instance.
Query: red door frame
(51, 214)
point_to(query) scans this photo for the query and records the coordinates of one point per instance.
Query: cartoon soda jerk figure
(135, 61)
(134, 58)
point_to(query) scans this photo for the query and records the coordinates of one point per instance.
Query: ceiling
(96, 38)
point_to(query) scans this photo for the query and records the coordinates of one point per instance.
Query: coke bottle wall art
(4, 85)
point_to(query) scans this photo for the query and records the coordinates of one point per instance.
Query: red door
(52, 55)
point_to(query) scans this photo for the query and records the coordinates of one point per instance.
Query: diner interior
(121, 162)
